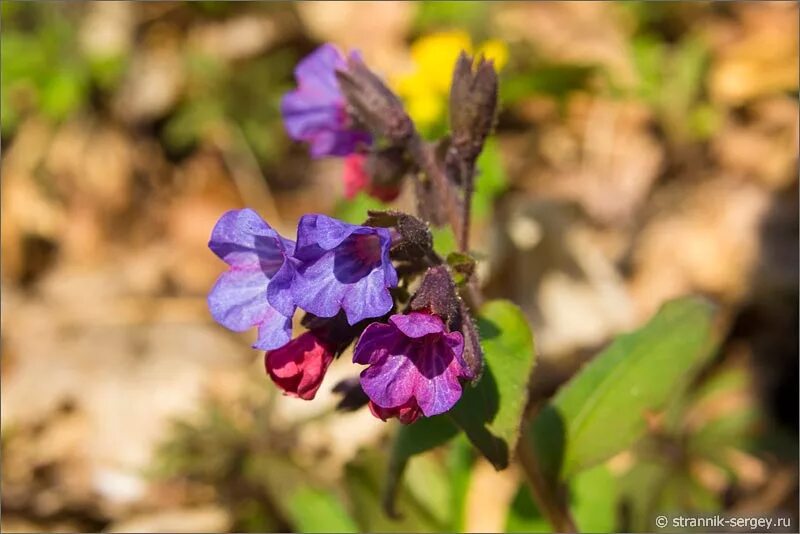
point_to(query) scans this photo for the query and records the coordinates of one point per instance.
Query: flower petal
(274, 331)
(417, 324)
(315, 288)
(322, 231)
(374, 341)
(436, 388)
(242, 238)
(299, 366)
(391, 378)
(238, 301)
(279, 291)
(367, 298)
(342, 266)
(315, 111)
(317, 70)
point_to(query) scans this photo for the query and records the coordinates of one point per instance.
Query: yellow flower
(426, 86)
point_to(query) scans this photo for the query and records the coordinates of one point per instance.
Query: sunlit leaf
(319, 511)
(410, 440)
(490, 412)
(593, 500)
(602, 410)
(524, 515)
(363, 478)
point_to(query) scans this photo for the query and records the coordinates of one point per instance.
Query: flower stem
(443, 192)
(548, 499)
(468, 177)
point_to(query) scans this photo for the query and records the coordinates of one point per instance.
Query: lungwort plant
(433, 353)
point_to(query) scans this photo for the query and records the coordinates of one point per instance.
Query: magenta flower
(357, 179)
(406, 414)
(342, 266)
(299, 366)
(256, 289)
(316, 112)
(413, 360)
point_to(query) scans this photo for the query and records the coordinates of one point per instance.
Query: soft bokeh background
(643, 151)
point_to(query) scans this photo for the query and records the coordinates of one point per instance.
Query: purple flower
(413, 362)
(316, 111)
(256, 290)
(342, 266)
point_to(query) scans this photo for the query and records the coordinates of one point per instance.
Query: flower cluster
(353, 281)
(341, 275)
(333, 266)
(317, 113)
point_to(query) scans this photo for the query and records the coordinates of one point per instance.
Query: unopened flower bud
(473, 354)
(473, 101)
(437, 293)
(357, 177)
(387, 168)
(375, 105)
(415, 242)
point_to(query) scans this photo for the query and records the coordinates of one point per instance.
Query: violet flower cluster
(333, 268)
(317, 113)
(352, 281)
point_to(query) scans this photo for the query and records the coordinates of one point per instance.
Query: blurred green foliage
(471, 16)
(41, 70)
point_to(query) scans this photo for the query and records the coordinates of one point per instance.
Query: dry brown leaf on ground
(549, 260)
(201, 519)
(606, 159)
(378, 29)
(154, 81)
(128, 367)
(704, 238)
(578, 32)
(30, 213)
(237, 38)
(756, 53)
(765, 147)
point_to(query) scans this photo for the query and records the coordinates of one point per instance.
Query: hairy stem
(443, 192)
(468, 178)
(547, 497)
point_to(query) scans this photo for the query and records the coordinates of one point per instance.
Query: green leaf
(427, 481)
(463, 266)
(355, 210)
(640, 488)
(319, 511)
(444, 240)
(410, 440)
(555, 79)
(459, 467)
(594, 495)
(433, 15)
(524, 515)
(490, 412)
(601, 411)
(363, 478)
(490, 180)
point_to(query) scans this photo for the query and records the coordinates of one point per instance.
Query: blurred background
(642, 151)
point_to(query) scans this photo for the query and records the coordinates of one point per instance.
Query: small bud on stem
(473, 102)
(375, 105)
